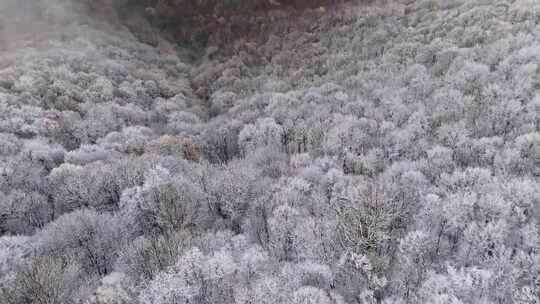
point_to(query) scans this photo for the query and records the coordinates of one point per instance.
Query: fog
(31, 22)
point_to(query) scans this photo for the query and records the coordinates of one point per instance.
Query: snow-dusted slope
(382, 152)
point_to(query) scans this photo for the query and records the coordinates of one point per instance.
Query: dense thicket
(379, 153)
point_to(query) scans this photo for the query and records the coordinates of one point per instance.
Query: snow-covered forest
(364, 152)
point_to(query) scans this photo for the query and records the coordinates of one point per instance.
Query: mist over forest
(269, 152)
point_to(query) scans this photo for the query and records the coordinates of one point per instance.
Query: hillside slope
(381, 152)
